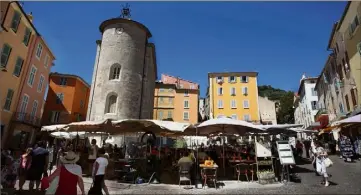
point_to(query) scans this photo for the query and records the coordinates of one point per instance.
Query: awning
(314, 125)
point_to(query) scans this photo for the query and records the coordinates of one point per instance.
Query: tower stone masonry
(124, 72)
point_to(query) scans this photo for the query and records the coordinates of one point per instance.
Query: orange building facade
(67, 99)
(176, 99)
(18, 42)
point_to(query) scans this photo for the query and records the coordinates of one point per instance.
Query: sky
(279, 40)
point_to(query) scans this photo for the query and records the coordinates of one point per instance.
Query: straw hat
(69, 158)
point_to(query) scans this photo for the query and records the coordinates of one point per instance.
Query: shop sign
(285, 153)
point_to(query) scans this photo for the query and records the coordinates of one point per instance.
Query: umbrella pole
(224, 157)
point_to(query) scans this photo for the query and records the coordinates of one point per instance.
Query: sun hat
(69, 158)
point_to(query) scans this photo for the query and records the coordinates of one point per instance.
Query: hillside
(285, 98)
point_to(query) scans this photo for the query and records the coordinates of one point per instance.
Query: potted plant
(266, 176)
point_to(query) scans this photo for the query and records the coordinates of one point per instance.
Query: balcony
(27, 119)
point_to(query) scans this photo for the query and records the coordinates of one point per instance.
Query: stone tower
(124, 72)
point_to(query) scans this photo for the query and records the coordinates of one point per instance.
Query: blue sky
(280, 40)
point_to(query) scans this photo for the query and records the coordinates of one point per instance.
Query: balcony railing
(27, 119)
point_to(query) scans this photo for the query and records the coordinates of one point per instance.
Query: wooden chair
(184, 174)
(253, 169)
(209, 174)
(242, 169)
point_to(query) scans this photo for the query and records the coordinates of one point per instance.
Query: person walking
(39, 165)
(98, 174)
(25, 163)
(307, 144)
(321, 155)
(93, 150)
(70, 175)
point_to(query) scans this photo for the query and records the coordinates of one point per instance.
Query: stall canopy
(283, 126)
(67, 135)
(350, 120)
(60, 127)
(228, 126)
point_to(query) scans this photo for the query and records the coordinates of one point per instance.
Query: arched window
(114, 72)
(111, 104)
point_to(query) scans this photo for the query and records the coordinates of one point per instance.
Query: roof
(236, 73)
(164, 84)
(332, 35)
(69, 76)
(122, 20)
(179, 78)
(303, 81)
(344, 14)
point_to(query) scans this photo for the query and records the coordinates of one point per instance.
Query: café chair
(184, 175)
(242, 169)
(253, 169)
(209, 174)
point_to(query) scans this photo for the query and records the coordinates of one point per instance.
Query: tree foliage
(285, 113)
(180, 143)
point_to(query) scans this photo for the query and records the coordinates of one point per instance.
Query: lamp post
(1, 106)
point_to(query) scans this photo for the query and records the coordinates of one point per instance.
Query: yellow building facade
(234, 95)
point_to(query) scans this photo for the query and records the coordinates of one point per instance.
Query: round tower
(124, 72)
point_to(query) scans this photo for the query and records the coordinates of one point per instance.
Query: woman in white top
(93, 152)
(321, 154)
(99, 170)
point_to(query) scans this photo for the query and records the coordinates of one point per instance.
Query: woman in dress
(70, 175)
(321, 155)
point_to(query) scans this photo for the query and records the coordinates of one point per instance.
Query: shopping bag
(92, 190)
(328, 162)
(53, 186)
(44, 183)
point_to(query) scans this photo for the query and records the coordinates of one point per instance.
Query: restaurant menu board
(262, 151)
(285, 153)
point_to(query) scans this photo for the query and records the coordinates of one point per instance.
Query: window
(186, 115)
(161, 90)
(59, 98)
(220, 91)
(15, 21)
(34, 110)
(63, 81)
(54, 116)
(346, 67)
(314, 105)
(245, 104)
(39, 50)
(339, 71)
(5, 54)
(313, 92)
(170, 114)
(160, 115)
(18, 66)
(41, 82)
(337, 48)
(245, 90)
(111, 104)
(220, 103)
(234, 116)
(354, 24)
(32, 76)
(81, 104)
(27, 35)
(233, 104)
(233, 91)
(114, 72)
(219, 78)
(232, 79)
(9, 98)
(246, 117)
(186, 104)
(353, 97)
(186, 93)
(46, 61)
(170, 100)
(24, 105)
(347, 103)
(244, 79)
(341, 108)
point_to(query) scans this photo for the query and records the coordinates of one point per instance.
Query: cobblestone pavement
(346, 179)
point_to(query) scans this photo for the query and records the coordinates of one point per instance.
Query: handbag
(92, 190)
(328, 162)
(45, 183)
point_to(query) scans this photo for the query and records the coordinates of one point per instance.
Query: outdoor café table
(213, 167)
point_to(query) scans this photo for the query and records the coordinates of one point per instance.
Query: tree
(180, 143)
(285, 113)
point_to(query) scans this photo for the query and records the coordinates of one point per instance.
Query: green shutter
(5, 54)
(8, 100)
(18, 66)
(27, 36)
(16, 20)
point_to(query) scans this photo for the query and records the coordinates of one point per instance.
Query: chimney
(30, 16)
